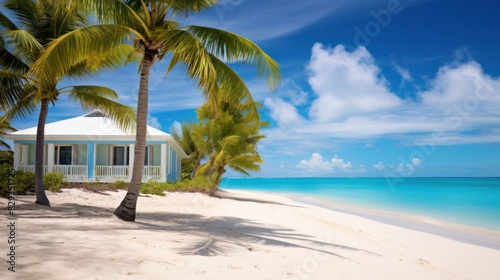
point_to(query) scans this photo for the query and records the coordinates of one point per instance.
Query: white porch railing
(151, 172)
(109, 172)
(31, 168)
(72, 171)
(102, 172)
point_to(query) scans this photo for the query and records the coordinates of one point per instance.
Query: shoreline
(487, 238)
(245, 235)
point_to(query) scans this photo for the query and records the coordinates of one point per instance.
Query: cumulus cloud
(283, 112)
(379, 166)
(317, 164)
(340, 163)
(153, 122)
(352, 100)
(415, 161)
(346, 84)
(464, 85)
(177, 126)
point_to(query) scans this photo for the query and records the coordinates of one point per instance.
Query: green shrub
(4, 179)
(6, 157)
(25, 182)
(197, 184)
(121, 185)
(153, 187)
(53, 181)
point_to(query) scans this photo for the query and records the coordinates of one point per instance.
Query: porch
(102, 173)
(84, 162)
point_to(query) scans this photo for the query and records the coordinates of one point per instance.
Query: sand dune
(245, 236)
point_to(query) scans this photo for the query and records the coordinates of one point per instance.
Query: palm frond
(25, 104)
(13, 88)
(6, 23)
(25, 11)
(235, 48)
(185, 48)
(115, 58)
(97, 97)
(73, 47)
(121, 13)
(10, 61)
(26, 45)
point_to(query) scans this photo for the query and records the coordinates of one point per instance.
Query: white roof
(94, 126)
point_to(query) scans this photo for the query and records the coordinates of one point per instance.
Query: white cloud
(153, 122)
(463, 85)
(404, 73)
(379, 166)
(282, 112)
(177, 126)
(340, 163)
(317, 164)
(415, 161)
(347, 84)
(353, 101)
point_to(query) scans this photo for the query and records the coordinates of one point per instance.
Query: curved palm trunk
(126, 210)
(216, 184)
(41, 197)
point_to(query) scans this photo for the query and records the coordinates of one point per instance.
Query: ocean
(466, 201)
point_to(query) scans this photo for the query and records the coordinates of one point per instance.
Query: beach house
(93, 148)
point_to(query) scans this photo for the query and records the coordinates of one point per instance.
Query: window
(121, 155)
(63, 155)
(146, 156)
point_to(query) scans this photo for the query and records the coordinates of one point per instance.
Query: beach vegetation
(24, 181)
(196, 184)
(7, 157)
(204, 52)
(120, 185)
(229, 139)
(222, 139)
(53, 181)
(5, 128)
(30, 75)
(184, 137)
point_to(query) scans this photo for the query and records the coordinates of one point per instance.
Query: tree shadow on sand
(213, 235)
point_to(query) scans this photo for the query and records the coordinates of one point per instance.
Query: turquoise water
(467, 201)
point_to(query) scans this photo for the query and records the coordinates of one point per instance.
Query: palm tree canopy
(5, 128)
(204, 51)
(42, 24)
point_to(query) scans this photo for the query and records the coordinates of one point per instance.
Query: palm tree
(185, 139)
(4, 129)
(230, 139)
(45, 23)
(204, 52)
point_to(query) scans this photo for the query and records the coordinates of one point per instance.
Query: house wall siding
(85, 155)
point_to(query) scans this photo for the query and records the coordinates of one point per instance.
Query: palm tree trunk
(216, 184)
(126, 210)
(41, 197)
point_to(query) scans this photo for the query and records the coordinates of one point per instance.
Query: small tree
(229, 139)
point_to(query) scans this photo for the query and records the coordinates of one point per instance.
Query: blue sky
(370, 88)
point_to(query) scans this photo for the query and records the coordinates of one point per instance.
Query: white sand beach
(247, 236)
